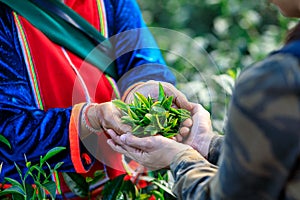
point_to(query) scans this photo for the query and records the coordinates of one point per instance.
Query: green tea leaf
(141, 111)
(38, 169)
(13, 190)
(51, 188)
(169, 135)
(158, 122)
(128, 120)
(175, 123)
(150, 100)
(58, 165)
(136, 101)
(41, 192)
(29, 191)
(132, 114)
(161, 93)
(136, 128)
(143, 99)
(167, 103)
(147, 117)
(129, 189)
(5, 141)
(158, 195)
(112, 188)
(98, 175)
(120, 104)
(167, 129)
(174, 111)
(14, 183)
(157, 109)
(28, 164)
(77, 184)
(52, 153)
(19, 171)
(166, 189)
(151, 130)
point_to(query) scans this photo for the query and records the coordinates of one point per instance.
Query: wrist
(88, 123)
(203, 144)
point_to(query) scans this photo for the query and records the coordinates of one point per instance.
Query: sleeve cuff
(77, 156)
(189, 155)
(215, 149)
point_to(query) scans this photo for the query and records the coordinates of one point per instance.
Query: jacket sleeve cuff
(215, 149)
(80, 157)
(189, 155)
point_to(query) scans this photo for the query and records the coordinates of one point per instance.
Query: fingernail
(110, 132)
(123, 138)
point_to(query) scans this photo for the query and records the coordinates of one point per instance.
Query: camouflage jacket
(261, 148)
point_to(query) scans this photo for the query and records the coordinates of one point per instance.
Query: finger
(184, 131)
(179, 98)
(182, 102)
(178, 138)
(117, 147)
(144, 144)
(188, 122)
(198, 108)
(116, 138)
(116, 124)
(133, 153)
(195, 128)
(110, 118)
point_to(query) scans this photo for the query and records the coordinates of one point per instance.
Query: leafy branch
(42, 179)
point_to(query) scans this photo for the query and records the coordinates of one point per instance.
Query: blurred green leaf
(5, 141)
(13, 190)
(77, 184)
(112, 188)
(51, 188)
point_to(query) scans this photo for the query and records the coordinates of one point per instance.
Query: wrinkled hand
(110, 118)
(154, 152)
(105, 116)
(200, 134)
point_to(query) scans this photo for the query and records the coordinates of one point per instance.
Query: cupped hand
(198, 132)
(107, 116)
(152, 87)
(153, 152)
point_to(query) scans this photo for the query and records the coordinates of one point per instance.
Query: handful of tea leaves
(149, 117)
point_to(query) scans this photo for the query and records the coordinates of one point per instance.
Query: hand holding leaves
(149, 117)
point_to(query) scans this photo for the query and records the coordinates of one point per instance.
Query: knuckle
(148, 144)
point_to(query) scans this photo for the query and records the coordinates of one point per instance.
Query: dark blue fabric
(134, 46)
(33, 132)
(292, 48)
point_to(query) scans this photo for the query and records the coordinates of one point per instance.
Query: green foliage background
(231, 34)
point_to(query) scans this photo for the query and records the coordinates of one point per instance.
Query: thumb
(121, 128)
(182, 102)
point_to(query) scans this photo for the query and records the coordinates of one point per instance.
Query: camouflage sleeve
(261, 145)
(215, 149)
